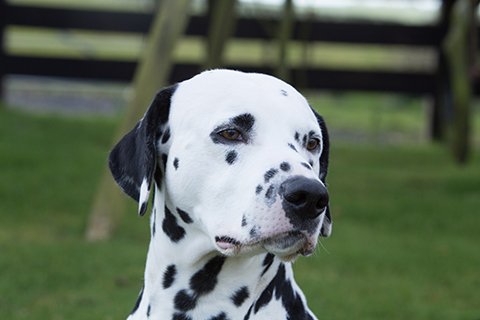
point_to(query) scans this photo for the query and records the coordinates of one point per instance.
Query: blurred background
(396, 80)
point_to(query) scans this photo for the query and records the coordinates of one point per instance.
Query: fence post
(442, 96)
(3, 17)
(285, 33)
(222, 21)
(460, 45)
(151, 75)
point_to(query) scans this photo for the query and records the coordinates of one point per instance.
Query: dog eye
(231, 134)
(312, 144)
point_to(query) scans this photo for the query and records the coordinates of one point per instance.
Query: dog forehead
(218, 95)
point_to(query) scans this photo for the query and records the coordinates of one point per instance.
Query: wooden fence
(455, 43)
(340, 32)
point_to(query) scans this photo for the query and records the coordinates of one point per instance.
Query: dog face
(243, 155)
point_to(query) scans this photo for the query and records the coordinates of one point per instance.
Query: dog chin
(286, 246)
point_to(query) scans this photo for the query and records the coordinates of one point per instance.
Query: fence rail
(384, 34)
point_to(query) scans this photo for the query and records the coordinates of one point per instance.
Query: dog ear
(326, 229)
(326, 147)
(134, 159)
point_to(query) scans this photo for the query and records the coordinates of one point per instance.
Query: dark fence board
(74, 68)
(415, 83)
(78, 19)
(247, 27)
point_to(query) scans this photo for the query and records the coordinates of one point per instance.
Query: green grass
(404, 243)
(405, 237)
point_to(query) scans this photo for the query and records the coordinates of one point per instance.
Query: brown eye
(230, 134)
(312, 144)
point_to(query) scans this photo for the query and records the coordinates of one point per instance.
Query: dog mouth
(287, 245)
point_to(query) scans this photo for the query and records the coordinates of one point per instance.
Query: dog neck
(186, 275)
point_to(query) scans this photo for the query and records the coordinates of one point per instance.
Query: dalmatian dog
(237, 162)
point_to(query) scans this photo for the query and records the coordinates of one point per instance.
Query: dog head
(242, 155)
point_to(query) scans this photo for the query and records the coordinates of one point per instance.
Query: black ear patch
(133, 160)
(326, 229)
(326, 147)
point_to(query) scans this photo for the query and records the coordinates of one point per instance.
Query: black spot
(137, 304)
(267, 262)
(284, 92)
(240, 296)
(270, 174)
(258, 189)
(164, 160)
(183, 301)
(270, 194)
(231, 157)
(175, 163)
(305, 139)
(310, 163)
(148, 310)
(143, 208)
(254, 232)
(306, 165)
(205, 280)
(297, 137)
(285, 166)
(282, 288)
(220, 316)
(293, 147)
(169, 276)
(265, 297)
(244, 121)
(154, 226)
(180, 316)
(166, 135)
(171, 227)
(244, 221)
(185, 216)
(158, 176)
(247, 316)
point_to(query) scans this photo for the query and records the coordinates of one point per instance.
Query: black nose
(303, 197)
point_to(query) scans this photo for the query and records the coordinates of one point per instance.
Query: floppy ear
(327, 220)
(134, 159)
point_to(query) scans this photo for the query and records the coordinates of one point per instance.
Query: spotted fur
(230, 211)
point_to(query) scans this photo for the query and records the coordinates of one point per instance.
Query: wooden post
(151, 75)
(3, 18)
(301, 77)
(222, 21)
(442, 96)
(458, 45)
(285, 33)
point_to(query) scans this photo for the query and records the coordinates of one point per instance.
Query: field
(404, 245)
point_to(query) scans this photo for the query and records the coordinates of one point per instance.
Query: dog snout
(304, 197)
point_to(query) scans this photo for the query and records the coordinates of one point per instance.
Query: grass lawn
(405, 242)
